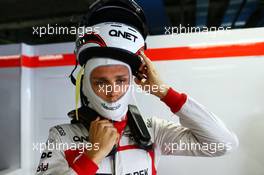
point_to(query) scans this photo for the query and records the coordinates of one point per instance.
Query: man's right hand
(105, 135)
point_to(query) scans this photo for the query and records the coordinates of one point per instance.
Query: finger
(142, 77)
(141, 68)
(96, 124)
(94, 121)
(97, 119)
(113, 133)
(141, 82)
(145, 58)
(104, 127)
(92, 124)
(110, 132)
(147, 66)
(103, 121)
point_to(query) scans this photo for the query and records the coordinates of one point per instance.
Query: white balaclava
(115, 111)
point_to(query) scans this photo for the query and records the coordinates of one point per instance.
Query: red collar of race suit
(120, 126)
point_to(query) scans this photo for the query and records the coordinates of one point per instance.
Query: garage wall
(10, 108)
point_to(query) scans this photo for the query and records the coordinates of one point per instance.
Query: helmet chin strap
(115, 111)
(77, 91)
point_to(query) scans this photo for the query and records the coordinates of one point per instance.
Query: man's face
(110, 82)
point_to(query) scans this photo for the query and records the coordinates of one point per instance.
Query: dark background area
(17, 17)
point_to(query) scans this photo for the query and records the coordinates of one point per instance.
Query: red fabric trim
(35, 61)
(183, 53)
(152, 155)
(120, 126)
(159, 54)
(174, 100)
(100, 38)
(70, 155)
(83, 165)
(102, 43)
(93, 41)
(9, 61)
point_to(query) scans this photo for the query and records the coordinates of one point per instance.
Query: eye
(99, 83)
(121, 80)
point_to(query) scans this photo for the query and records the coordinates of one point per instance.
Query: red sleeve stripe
(82, 165)
(174, 100)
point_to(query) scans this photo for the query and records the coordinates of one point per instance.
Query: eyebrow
(121, 76)
(103, 78)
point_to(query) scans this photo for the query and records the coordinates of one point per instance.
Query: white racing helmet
(113, 43)
(111, 39)
(123, 11)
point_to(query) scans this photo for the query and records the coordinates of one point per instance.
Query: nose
(113, 93)
(112, 97)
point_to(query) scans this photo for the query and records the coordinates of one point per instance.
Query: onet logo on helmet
(126, 35)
